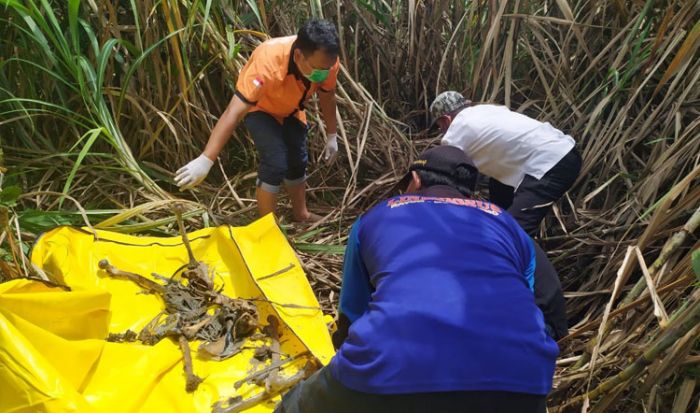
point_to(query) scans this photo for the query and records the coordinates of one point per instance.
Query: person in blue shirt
(446, 305)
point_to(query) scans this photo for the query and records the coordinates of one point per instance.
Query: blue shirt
(439, 293)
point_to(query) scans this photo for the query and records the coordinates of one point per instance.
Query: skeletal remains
(196, 310)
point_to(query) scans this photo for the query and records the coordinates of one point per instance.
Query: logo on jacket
(403, 200)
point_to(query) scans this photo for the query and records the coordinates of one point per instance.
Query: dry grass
(621, 77)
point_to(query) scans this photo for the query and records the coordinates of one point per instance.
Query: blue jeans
(281, 148)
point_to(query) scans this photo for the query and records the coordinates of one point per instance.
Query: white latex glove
(193, 173)
(331, 146)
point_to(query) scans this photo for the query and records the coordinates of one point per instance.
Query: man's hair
(318, 34)
(464, 180)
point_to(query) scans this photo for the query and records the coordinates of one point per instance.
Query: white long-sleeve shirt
(507, 145)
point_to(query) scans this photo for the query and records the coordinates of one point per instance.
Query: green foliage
(378, 9)
(37, 221)
(320, 248)
(9, 195)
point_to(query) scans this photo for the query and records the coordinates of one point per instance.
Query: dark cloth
(500, 193)
(321, 393)
(281, 148)
(548, 295)
(531, 202)
(341, 331)
(445, 191)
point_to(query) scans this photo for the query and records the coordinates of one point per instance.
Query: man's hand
(343, 327)
(193, 173)
(331, 146)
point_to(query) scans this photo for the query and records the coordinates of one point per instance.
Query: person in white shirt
(531, 164)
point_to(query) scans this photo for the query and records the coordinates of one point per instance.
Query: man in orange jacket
(271, 93)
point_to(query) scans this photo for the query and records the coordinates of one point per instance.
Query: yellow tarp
(53, 353)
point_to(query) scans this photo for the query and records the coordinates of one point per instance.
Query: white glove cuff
(205, 159)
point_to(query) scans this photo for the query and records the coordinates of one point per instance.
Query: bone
(273, 382)
(189, 297)
(191, 331)
(193, 380)
(238, 404)
(179, 210)
(141, 281)
(224, 347)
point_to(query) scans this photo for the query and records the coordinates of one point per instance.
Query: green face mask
(318, 75)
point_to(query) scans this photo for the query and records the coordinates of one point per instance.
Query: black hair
(318, 34)
(463, 180)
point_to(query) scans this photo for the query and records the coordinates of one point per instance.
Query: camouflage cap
(445, 103)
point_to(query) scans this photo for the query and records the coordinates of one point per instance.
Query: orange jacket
(271, 81)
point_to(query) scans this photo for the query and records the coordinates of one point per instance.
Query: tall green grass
(71, 64)
(88, 86)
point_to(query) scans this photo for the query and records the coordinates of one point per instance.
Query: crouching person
(439, 306)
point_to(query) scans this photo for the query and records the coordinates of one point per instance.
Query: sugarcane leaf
(696, 263)
(9, 195)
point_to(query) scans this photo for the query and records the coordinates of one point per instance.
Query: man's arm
(196, 170)
(548, 295)
(252, 82)
(327, 103)
(225, 126)
(356, 289)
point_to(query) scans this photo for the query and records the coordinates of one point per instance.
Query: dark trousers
(281, 147)
(534, 197)
(321, 393)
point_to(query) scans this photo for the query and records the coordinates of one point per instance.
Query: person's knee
(294, 182)
(297, 163)
(272, 170)
(529, 219)
(296, 174)
(317, 394)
